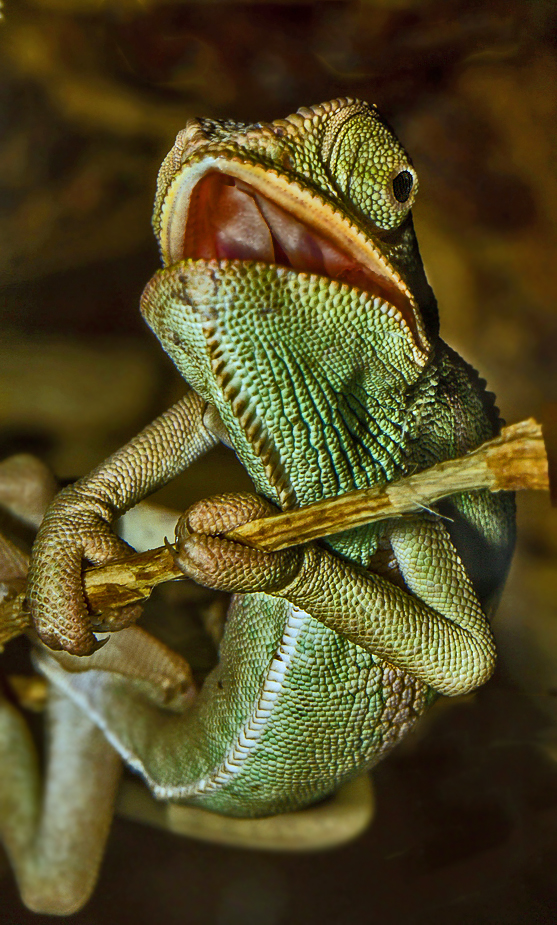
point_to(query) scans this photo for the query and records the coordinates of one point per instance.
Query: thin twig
(516, 459)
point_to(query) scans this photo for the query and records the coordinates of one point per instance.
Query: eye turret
(369, 166)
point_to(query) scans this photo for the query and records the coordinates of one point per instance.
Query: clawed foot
(71, 532)
(205, 555)
(77, 527)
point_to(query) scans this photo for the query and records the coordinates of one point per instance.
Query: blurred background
(92, 94)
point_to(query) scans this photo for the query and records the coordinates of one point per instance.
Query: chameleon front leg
(55, 840)
(78, 523)
(435, 630)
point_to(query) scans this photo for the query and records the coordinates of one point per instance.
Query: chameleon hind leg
(53, 832)
(55, 835)
(137, 692)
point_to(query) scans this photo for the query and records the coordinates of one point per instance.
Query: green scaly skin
(322, 385)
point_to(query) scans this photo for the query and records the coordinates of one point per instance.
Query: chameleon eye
(402, 185)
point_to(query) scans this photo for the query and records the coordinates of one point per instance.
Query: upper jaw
(225, 206)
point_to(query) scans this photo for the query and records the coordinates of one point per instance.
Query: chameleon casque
(294, 302)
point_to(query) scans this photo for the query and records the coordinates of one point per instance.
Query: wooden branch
(116, 585)
(514, 460)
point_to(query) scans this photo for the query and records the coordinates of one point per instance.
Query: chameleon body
(294, 302)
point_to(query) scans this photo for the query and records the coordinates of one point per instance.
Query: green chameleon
(294, 302)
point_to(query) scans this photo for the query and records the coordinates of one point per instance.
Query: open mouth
(228, 219)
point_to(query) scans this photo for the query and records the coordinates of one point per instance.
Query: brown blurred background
(91, 96)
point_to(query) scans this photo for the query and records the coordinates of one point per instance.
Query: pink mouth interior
(230, 220)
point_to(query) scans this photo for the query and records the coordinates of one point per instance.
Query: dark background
(91, 96)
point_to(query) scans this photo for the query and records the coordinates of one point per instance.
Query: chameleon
(294, 302)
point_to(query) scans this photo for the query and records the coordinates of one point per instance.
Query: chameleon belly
(325, 711)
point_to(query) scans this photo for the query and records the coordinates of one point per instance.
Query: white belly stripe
(251, 731)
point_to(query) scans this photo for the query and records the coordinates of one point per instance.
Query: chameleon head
(327, 190)
(299, 230)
